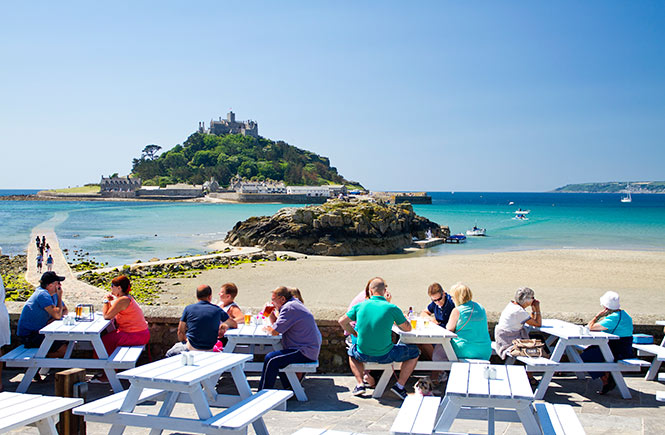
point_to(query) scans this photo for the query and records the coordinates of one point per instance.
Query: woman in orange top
(131, 327)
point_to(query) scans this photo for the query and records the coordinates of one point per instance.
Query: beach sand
(568, 282)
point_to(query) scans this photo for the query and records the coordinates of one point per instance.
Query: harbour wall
(268, 198)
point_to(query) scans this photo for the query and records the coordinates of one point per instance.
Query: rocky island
(338, 228)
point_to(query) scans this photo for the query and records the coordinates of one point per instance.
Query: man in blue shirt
(438, 311)
(44, 306)
(200, 324)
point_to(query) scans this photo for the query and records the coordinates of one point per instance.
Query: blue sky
(440, 95)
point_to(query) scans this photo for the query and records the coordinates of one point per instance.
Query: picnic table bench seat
(658, 353)
(417, 415)
(558, 419)
(660, 396)
(123, 357)
(235, 419)
(18, 410)
(291, 373)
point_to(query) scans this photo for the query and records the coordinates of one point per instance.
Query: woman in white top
(5, 334)
(513, 318)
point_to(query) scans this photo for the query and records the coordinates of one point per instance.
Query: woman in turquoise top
(613, 320)
(469, 321)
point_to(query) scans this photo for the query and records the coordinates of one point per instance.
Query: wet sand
(568, 282)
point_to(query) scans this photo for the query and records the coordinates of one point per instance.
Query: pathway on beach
(75, 291)
(233, 252)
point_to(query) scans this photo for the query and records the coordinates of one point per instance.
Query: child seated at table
(227, 296)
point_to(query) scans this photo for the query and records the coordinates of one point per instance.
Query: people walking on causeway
(49, 263)
(40, 260)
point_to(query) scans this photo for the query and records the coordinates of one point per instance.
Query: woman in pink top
(131, 327)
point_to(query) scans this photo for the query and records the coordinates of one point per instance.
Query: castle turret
(231, 117)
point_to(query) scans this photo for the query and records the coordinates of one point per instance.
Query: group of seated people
(371, 316)
(368, 324)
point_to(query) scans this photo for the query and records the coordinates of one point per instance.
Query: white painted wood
(18, 410)
(537, 361)
(478, 385)
(291, 373)
(519, 383)
(417, 415)
(249, 410)
(660, 396)
(458, 380)
(318, 431)
(501, 386)
(109, 404)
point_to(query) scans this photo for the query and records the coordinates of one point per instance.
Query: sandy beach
(568, 282)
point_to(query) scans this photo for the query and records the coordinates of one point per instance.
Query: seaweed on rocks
(13, 271)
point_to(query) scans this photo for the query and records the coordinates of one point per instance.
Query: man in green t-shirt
(374, 321)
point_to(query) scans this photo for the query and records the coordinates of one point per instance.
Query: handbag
(528, 347)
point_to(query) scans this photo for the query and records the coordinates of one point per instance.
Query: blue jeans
(277, 360)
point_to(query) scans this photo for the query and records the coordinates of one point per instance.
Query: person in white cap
(613, 320)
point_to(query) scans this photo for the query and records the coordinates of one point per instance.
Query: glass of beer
(268, 309)
(426, 323)
(414, 322)
(248, 318)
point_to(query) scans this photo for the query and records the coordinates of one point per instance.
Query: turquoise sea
(122, 232)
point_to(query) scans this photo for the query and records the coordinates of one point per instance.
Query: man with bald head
(200, 324)
(374, 320)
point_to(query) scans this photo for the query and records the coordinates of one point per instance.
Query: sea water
(122, 232)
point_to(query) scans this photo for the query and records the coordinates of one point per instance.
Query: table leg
(241, 382)
(128, 405)
(200, 402)
(381, 385)
(448, 350)
(490, 421)
(27, 379)
(46, 426)
(230, 345)
(113, 380)
(528, 418)
(574, 356)
(544, 383)
(70, 349)
(260, 427)
(451, 408)
(618, 376)
(166, 409)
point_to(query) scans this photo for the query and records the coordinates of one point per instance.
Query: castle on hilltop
(230, 126)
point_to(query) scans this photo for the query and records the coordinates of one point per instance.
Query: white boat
(520, 211)
(475, 231)
(627, 197)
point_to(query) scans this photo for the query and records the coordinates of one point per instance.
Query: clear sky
(440, 95)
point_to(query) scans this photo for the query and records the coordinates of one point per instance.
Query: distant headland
(615, 187)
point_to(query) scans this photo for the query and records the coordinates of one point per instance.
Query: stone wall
(268, 197)
(333, 359)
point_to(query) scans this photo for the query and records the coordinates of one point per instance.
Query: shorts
(399, 353)
(35, 339)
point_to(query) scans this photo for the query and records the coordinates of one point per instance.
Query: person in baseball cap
(44, 306)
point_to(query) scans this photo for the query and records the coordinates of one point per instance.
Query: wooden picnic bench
(506, 398)
(171, 382)
(18, 410)
(78, 333)
(571, 340)
(655, 350)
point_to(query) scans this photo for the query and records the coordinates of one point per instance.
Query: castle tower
(231, 117)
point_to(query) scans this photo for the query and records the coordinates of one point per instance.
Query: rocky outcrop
(336, 228)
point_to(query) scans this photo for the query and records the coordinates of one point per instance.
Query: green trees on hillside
(203, 156)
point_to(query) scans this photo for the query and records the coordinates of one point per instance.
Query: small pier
(428, 243)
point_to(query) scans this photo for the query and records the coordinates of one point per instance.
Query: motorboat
(522, 212)
(456, 238)
(475, 231)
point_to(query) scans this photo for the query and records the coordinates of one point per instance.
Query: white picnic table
(506, 396)
(79, 332)
(18, 410)
(171, 381)
(431, 334)
(570, 340)
(254, 340)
